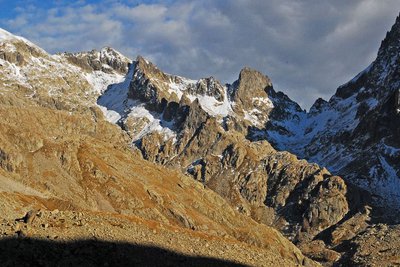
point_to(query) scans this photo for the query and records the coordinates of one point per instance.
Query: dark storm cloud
(308, 48)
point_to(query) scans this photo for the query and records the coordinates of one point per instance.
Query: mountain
(69, 176)
(200, 128)
(355, 133)
(97, 132)
(216, 133)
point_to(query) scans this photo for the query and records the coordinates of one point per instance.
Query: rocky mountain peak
(149, 70)
(114, 59)
(385, 70)
(251, 84)
(379, 74)
(17, 50)
(107, 60)
(250, 98)
(318, 106)
(152, 86)
(391, 43)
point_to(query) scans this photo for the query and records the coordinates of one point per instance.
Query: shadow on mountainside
(115, 97)
(38, 252)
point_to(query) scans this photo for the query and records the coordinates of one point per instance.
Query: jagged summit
(250, 84)
(106, 60)
(318, 106)
(159, 88)
(247, 73)
(392, 39)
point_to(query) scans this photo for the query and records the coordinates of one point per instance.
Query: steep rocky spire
(251, 84)
(391, 43)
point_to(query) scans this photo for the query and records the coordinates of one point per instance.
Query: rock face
(106, 60)
(249, 95)
(375, 245)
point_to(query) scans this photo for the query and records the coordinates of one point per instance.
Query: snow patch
(212, 106)
(117, 107)
(7, 36)
(156, 123)
(372, 102)
(112, 101)
(251, 116)
(100, 80)
(264, 100)
(391, 172)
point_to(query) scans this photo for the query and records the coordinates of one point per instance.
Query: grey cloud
(308, 48)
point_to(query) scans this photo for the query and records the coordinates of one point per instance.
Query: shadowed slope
(36, 252)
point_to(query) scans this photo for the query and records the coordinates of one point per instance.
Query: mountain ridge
(228, 138)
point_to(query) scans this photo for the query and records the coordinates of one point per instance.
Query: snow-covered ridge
(53, 76)
(180, 88)
(212, 106)
(7, 36)
(112, 54)
(119, 109)
(208, 102)
(113, 98)
(104, 53)
(212, 96)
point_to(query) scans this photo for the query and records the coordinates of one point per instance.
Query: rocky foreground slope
(102, 239)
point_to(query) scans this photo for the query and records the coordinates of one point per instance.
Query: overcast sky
(308, 48)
